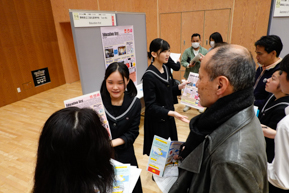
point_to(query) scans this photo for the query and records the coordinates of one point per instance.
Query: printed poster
(94, 101)
(190, 96)
(118, 45)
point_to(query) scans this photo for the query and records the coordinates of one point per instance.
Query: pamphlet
(162, 157)
(126, 177)
(190, 95)
(121, 183)
(91, 100)
(196, 58)
(175, 56)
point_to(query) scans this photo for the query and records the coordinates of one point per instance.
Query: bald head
(234, 62)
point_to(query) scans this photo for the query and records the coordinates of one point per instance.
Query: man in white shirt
(278, 170)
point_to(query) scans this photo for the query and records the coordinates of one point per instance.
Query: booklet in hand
(196, 58)
(162, 155)
(190, 95)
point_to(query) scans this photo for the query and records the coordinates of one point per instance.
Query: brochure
(91, 100)
(121, 183)
(126, 177)
(196, 58)
(161, 160)
(190, 95)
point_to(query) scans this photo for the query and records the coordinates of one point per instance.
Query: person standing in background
(215, 38)
(268, 49)
(189, 54)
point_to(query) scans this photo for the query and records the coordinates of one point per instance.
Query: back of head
(270, 43)
(124, 72)
(73, 154)
(158, 44)
(216, 36)
(234, 62)
(284, 65)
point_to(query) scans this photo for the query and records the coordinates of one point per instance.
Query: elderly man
(225, 150)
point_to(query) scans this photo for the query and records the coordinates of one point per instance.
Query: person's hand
(179, 60)
(201, 58)
(192, 64)
(268, 132)
(179, 116)
(183, 84)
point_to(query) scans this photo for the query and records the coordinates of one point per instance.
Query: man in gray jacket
(225, 150)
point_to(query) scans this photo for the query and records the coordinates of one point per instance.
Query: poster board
(89, 48)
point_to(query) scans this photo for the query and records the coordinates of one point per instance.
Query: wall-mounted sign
(93, 19)
(40, 76)
(281, 8)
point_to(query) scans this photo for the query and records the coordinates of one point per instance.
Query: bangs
(164, 46)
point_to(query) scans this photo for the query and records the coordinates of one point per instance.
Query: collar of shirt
(271, 65)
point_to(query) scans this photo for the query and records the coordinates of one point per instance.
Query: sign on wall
(281, 8)
(93, 19)
(40, 76)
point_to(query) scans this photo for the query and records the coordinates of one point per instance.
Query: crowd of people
(228, 149)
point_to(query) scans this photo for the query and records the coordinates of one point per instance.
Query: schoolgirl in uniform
(123, 113)
(159, 93)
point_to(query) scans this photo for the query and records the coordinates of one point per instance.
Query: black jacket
(125, 126)
(230, 159)
(270, 114)
(159, 96)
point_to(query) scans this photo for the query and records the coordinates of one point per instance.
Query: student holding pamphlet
(74, 154)
(159, 93)
(123, 110)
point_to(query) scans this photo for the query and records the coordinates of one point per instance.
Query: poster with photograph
(118, 46)
(190, 96)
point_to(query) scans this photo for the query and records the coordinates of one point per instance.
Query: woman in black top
(159, 93)
(123, 113)
(271, 113)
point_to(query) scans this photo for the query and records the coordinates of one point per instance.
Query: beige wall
(37, 34)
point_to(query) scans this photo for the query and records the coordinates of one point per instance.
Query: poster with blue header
(162, 155)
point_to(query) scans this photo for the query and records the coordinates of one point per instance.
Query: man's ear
(274, 53)
(224, 86)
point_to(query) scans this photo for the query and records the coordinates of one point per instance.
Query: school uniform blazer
(159, 96)
(124, 126)
(270, 114)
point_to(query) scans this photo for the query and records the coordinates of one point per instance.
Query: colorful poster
(91, 100)
(190, 96)
(118, 46)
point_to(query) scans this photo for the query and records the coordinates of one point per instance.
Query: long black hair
(124, 72)
(217, 37)
(158, 44)
(73, 154)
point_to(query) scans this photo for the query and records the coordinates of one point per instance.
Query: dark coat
(159, 96)
(259, 89)
(230, 159)
(270, 114)
(125, 126)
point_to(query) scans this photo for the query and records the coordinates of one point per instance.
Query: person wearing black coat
(159, 93)
(122, 109)
(271, 113)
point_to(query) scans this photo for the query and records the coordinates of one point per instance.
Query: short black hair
(196, 35)
(284, 65)
(270, 43)
(216, 36)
